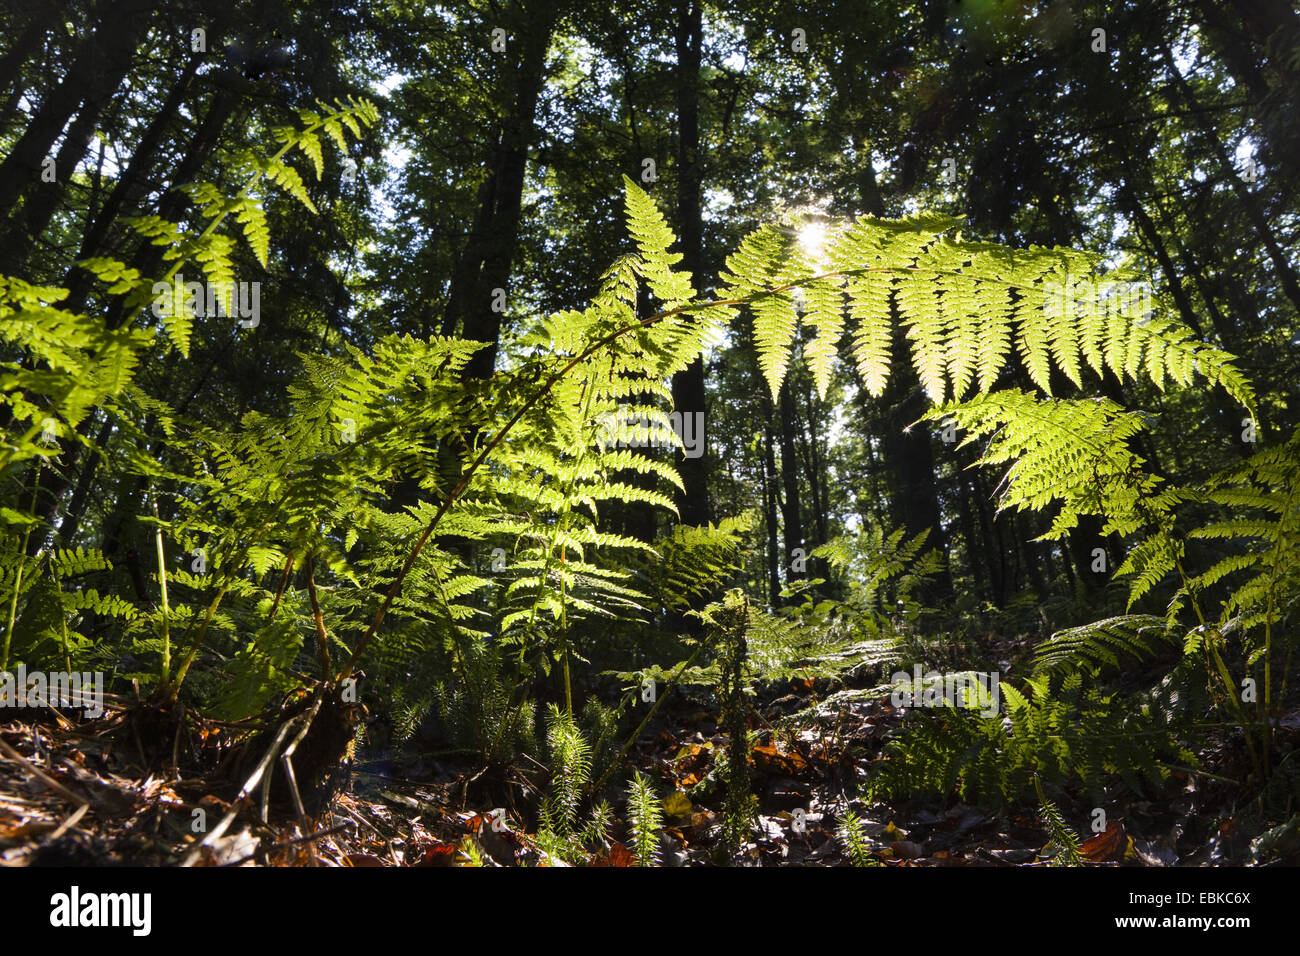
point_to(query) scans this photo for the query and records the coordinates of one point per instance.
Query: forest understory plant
(302, 495)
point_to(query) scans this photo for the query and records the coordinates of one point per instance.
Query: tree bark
(486, 264)
(795, 557)
(770, 513)
(689, 395)
(106, 54)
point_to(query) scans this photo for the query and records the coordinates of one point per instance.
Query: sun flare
(812, 240)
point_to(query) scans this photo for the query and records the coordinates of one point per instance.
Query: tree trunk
(795, 557)
(769, 513)
(106, 54)
(688, 386)
(485, 267)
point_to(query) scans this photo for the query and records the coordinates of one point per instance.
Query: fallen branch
(192, 857)
(41, 775)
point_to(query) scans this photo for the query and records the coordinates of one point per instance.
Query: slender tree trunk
(473, 300)
(908, 456)
(689, 396)
(974, 555)
(770, 513)
(795, 557)
(107, 53)
(994, 553)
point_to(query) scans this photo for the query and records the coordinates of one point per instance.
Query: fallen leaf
(438, 854)
(770, 760)
(677, 806)
(618, 855)
(907, 850)
(1104, 845)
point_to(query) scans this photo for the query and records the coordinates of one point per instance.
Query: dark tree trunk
(106, 54)
(908, 456)
(489, 253)
(795, 557)
(770, 513)
(688, 386)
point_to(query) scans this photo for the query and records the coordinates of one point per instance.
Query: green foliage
(570, 761)
(60, 366)
(1055, 729)
(1063, 848)
(963, 305)
(693, 561)
(259, 670)
(645, 819)
(874, 559)
(1113, 642)
(571, 764)
(854, 838)
(295, 511)
(1073, 453)
(476, 705)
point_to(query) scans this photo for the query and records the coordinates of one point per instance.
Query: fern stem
(164, 671)
(18, 575)
(284, 582)
(1222, 669)
(1268, 631)
(63, 621)
(1202, 773)
(561, 525)
(170, 693)
(322, 637)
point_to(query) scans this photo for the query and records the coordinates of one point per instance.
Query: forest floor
(75, 794)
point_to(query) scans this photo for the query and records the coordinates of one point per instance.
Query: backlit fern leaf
(1110, 642)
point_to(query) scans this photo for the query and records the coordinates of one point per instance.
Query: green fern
(1112, 642)
(570, 761)
(854, 839)
(645, 819)
(1063, 848)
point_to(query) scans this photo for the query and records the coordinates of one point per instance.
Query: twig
(286, 761)
(288, 843)
(69, 823)
(41, 775)
(244, 791)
